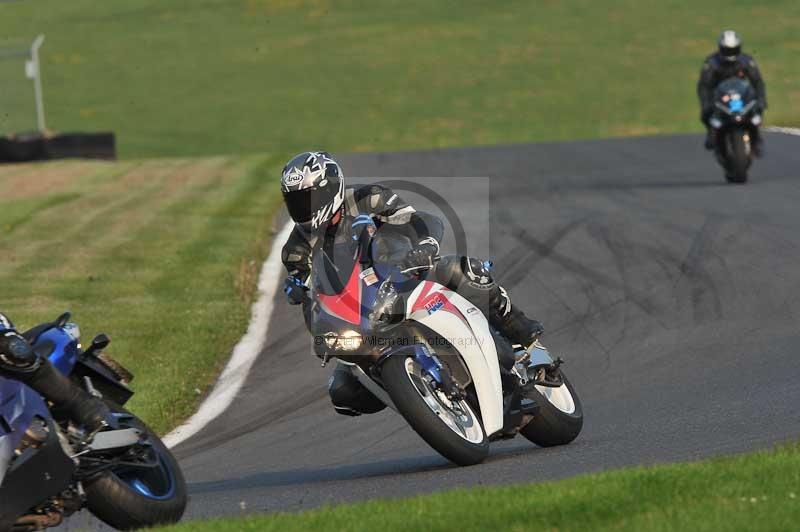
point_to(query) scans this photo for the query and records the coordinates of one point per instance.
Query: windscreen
(734, 85)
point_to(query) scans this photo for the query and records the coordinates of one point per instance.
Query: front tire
(559, 419)
(128, 500)
(463, 441)
(738, 156)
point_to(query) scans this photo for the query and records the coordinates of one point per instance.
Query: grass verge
(757, 491)
(163, 255)
(173, 79)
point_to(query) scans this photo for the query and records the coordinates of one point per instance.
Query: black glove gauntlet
(422, 256)
(295, 290)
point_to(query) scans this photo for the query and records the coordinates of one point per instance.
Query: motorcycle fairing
(734, 99)
(345, 305)
(466, 328)
(64, 355)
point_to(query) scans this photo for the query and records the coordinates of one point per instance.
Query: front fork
(439, 372)
(721, 138)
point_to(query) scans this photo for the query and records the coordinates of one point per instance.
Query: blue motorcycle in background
(736, 115)
(50, 468)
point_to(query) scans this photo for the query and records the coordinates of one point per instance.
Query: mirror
(63, 319)
(100, 342)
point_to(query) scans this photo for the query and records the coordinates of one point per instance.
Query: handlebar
(415, 269)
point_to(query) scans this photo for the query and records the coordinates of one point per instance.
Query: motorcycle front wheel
(738, 156)
(452, 428)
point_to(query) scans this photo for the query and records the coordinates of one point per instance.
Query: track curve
(674, 298)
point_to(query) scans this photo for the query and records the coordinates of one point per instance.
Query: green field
(244, 76)
(163, 255)
(759, 491)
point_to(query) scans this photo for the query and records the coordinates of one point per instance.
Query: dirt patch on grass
(29, 180)
(135, 202)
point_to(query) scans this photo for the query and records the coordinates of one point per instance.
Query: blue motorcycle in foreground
(735, 119)
(50, 468)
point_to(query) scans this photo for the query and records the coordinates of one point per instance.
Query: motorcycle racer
(727, 62)
(320, 204)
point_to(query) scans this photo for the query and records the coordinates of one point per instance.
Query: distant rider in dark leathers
(729, 61)
(323, 208)
(19, 361)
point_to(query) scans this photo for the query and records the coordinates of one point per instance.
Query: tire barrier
(38, 147)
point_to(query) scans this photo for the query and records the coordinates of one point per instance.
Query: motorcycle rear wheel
(129, 500)
(456, 435)
(559, 419)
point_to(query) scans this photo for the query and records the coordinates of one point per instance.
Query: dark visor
(730, 52)
(303, 204)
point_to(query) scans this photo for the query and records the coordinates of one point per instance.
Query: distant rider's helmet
(313, 189)
(730, 45)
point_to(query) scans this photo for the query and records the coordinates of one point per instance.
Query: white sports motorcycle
(429, 354)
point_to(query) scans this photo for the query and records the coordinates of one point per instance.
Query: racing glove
(423, 255)
(295, 290)
(16, 353)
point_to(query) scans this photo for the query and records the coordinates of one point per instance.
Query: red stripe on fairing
(426, 296)
(347, 305)
(419, 304)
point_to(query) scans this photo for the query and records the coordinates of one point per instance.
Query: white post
(37, 83)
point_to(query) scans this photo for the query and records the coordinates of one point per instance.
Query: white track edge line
(245, 352)
(787, 130)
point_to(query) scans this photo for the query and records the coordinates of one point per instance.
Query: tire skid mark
(603, 234)
(641, 300)
(521, 266)
(702, 288)
(579, 320)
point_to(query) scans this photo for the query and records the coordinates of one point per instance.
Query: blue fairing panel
(65, 354)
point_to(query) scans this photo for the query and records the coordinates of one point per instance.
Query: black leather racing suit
(715, 70)
(19, 361)
(469, 277)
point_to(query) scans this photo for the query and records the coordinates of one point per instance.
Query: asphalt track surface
(673, 297)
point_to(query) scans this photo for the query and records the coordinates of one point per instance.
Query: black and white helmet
(313, 188)
(730, 45)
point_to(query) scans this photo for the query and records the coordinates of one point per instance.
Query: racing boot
(511, 322)
(757, 144)
(709, 143)
(519, 328)
(75, 403)
(349, 396)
